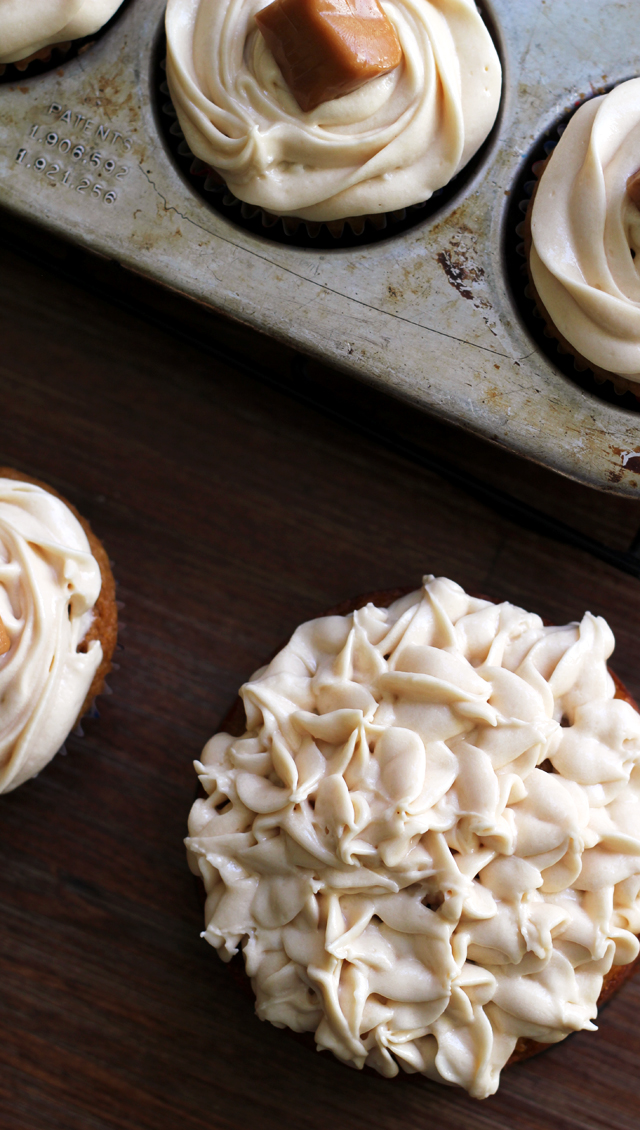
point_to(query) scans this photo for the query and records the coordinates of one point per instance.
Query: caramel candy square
(326, 48)
(633, 188)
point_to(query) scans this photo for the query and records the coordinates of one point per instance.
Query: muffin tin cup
(352, 231)
(291, 230)
(426, 310)
(326, 235)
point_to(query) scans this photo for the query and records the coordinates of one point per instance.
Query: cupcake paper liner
(37, 63)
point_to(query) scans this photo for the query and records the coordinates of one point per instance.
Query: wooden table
(232, 513)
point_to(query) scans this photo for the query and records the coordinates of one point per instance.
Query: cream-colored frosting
(389, 144)
(586, 231)
(406, 878)
(49, 583)
(27, 26)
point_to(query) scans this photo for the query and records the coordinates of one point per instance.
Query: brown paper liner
(104, 626)
(292, 226)
(44, 55)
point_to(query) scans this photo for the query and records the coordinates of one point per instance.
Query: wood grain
(231, 514)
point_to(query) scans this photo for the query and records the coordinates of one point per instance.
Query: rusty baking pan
(428, 312)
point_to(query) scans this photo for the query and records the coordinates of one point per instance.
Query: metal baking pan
(427, 315)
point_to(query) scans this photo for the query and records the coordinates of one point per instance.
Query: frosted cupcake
(29, 29)
(385, 144)
(58, 624)
(583, 241)
(426, 840)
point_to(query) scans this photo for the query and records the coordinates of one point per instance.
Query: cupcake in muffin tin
(383, 147)
(33, 32)
(582, 237)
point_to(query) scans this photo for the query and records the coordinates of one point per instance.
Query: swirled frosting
(389, 144)
(585, 254)
(26, 26)
(49, 583)
(427, 841)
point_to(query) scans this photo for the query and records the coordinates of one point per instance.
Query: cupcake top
(388, 144)
(427, 839)
(49, 584)
(585, 228)
(26, 26)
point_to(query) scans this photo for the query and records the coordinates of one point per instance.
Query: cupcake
(583, 237)
(29, 31)
(320, 135)
(425, 841)
(58, 623)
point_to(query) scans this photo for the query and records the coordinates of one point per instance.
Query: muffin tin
(431, 314)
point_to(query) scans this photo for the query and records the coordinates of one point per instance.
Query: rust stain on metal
(453, 219)
(456, 273)
(116, 95)
(630, 462)
(463, 274)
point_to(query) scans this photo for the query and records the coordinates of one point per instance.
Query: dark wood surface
(231, 514)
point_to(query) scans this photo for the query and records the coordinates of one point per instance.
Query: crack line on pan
(321, 286)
